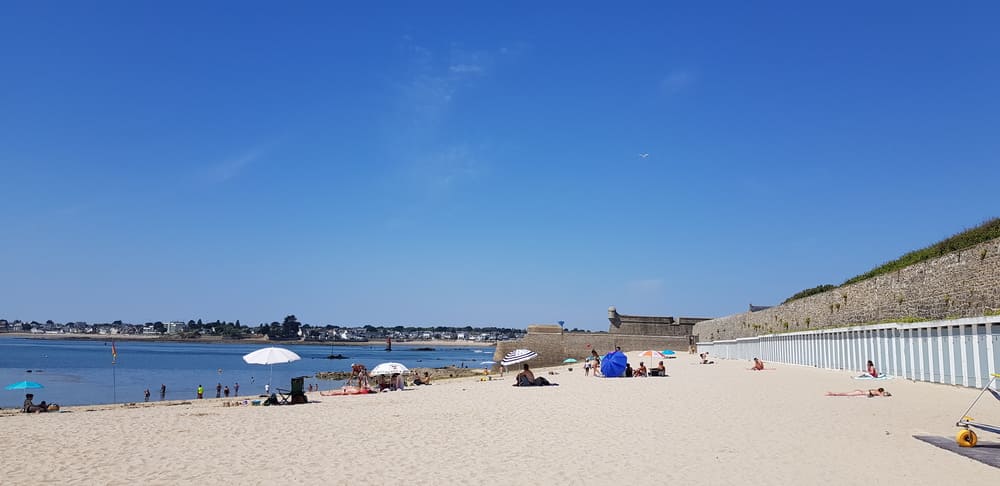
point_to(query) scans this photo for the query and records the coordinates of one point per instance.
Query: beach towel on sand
(866, 376)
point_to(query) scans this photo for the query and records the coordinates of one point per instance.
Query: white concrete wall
(956, 352)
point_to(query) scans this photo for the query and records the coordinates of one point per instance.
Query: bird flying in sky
(644, 155)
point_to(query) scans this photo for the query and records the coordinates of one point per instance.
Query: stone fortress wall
(631, 333)
(964, 283)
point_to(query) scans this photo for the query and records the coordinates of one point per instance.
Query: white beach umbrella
(389, 369)
(517, 356)
(271, 356)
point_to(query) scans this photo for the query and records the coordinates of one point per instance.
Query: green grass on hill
(807, 292)
(968, 238)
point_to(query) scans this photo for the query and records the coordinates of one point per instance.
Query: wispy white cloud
(429, 164)
(231, 168)
(441, 171)
(645, 286)
(72, 210)
(678, 80)
(466, 69)
(435, 79)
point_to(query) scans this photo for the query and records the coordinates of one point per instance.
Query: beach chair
(284, 396)
(967, 437)
(297, 394)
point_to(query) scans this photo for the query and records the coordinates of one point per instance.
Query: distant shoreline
(261, 341)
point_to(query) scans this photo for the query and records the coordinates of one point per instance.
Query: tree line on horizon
(288, 328)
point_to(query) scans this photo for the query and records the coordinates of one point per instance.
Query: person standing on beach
(147, 394)
(163, 391)
(218, 390)
(225, 391)
(201, 392)
(267, 389)
(236, 389)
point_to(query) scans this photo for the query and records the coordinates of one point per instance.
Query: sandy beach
(710, 424)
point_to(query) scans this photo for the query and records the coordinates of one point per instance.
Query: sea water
(80, 371)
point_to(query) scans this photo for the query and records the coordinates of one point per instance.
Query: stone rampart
(964, 283)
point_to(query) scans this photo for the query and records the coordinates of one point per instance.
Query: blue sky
(454, 163)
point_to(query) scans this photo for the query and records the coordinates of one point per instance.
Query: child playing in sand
(758, 365)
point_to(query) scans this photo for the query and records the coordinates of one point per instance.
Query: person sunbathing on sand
(880, 392)
(704, 359)
(426, 380)
(527, 378)
(758, 365)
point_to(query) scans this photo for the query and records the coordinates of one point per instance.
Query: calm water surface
(79, 372)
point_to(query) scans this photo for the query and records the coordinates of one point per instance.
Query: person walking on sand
(201, 392)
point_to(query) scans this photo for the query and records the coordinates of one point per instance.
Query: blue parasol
(668, 353)
(23, 385)
(613, 364)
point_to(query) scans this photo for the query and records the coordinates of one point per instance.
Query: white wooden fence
(956, 352)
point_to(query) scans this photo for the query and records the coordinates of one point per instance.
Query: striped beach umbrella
(517, 356)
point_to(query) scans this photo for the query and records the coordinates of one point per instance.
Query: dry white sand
(717, 424)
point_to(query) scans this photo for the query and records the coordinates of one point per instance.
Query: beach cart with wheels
(967, 436)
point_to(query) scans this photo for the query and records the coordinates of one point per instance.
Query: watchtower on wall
(651, 325)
